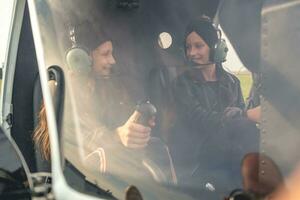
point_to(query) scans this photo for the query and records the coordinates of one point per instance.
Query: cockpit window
(164, 40)
(148, 100)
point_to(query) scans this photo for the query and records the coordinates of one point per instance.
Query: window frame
(8, 70)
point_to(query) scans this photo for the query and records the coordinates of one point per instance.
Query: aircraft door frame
(8, 72)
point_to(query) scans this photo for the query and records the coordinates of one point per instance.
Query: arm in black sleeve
(190, 108)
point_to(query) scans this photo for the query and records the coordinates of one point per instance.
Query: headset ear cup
(219, 53)
(78, 60)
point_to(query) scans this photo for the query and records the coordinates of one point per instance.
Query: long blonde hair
(41, 134)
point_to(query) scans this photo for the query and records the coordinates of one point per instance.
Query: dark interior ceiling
(135, 30)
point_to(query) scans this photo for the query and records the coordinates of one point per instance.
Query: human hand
(254, 114)
(134, 135)
(232, 113)
(151, 122)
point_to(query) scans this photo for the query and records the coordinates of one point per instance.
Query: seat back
(56, 85)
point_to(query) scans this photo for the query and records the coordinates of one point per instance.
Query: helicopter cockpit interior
(110, 94)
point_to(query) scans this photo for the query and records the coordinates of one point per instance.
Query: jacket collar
(222, 76)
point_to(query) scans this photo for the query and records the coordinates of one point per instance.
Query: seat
(56, 84)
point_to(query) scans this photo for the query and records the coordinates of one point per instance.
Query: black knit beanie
(90, 36)
(204, 28)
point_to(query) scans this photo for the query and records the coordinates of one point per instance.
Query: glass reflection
(201, 116)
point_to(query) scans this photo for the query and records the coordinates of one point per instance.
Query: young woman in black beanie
(212, 132)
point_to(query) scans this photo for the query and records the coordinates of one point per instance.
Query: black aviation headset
(218, 51)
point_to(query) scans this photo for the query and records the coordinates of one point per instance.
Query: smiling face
(103, 59)
(197, 50)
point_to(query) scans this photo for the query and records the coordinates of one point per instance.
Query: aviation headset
(218, 49)
(85, 37)
(77, 56)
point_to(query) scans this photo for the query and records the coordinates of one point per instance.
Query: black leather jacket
(200, 104)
